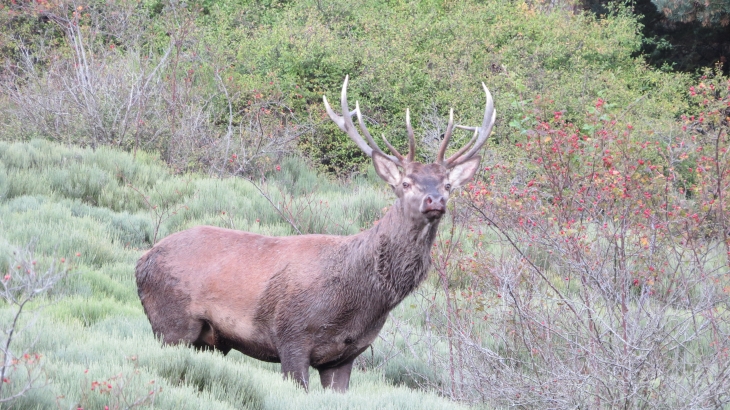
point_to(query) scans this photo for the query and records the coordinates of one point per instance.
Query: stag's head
(423, 189)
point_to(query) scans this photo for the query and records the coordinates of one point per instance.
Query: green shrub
(88, 310)
(430, 58)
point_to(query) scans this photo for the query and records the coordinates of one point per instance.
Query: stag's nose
(434, 205)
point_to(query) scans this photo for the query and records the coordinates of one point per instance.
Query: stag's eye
(448, 187)
(406, 185)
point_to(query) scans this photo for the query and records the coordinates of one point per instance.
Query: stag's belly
(257, 349)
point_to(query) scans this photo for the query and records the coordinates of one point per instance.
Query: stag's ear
(386, 168)
(463, 172)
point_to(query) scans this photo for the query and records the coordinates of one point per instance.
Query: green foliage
(409, 55)
(276, 60)
(122, 351)
(92, 308)
(24, 34)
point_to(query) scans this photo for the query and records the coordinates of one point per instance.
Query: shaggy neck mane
(395, 254)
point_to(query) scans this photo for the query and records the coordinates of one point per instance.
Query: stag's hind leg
(177, 326)
(170, 321)
(208, 338)
(167, 307)
(180, 331)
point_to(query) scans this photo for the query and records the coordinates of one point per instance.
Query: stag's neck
(396, 253)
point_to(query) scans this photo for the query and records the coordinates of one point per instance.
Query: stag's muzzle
(433, 206)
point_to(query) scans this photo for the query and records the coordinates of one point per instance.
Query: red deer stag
(310, 300)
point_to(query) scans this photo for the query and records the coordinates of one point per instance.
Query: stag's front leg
(337, 378)
(295, 365)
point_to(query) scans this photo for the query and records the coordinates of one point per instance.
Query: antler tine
(411, 137)
(396, 157)
(392, 149)
(490, 115)
(465, 147)
(447, 137)
(344, 122)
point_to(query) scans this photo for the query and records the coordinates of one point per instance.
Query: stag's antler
(480, 133)
(345, 123)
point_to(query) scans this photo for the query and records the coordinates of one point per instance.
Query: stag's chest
(340, 342)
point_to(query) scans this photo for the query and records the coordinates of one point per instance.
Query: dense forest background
(587, 265)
